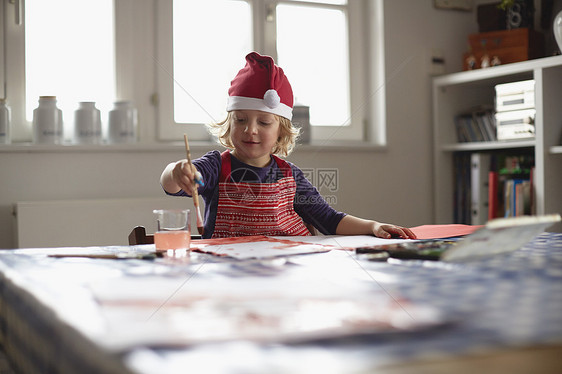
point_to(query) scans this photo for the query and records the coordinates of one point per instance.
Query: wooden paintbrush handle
(195, 195)
(188, 154)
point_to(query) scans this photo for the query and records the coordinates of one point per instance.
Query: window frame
(14, 69)
(3, 6)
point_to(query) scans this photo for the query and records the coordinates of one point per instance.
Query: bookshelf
(458, 92)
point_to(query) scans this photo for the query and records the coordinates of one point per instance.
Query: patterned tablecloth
(73, 314)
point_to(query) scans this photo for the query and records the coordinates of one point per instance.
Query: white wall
(392, 185)
(413, 29)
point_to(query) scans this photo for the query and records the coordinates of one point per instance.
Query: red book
(492, 195)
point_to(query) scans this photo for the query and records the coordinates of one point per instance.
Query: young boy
(249, 190)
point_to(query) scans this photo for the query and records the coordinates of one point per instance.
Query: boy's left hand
(387, 231)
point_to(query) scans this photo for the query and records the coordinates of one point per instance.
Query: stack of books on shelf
(490, 186)
(478, 125)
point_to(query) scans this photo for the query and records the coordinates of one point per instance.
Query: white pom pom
(271, 99)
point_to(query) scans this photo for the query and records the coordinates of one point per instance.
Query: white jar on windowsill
(87, 124)
(122, 123)
(47, 122)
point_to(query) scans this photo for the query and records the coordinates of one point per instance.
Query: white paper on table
(348, 242)
(256, 247)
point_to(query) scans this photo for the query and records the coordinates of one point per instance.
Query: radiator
(99, 222)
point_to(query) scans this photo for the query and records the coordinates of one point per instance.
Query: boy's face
(253, 134)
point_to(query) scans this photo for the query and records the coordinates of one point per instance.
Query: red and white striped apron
(257, 208)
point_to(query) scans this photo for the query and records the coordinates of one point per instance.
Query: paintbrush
(112, 256)
(200, 228)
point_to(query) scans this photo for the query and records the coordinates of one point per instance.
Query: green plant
(506, 4)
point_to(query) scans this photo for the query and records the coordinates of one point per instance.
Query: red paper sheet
(443, 231)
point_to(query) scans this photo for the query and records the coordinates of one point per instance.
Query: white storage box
(517, 124)
(515, 96)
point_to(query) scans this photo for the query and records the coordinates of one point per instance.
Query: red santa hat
(261, 85)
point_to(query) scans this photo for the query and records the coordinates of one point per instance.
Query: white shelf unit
(458, 92)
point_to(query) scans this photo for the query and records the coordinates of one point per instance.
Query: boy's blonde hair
(288, 134)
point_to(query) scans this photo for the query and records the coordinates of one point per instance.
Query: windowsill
(343, 146)
(198, 146)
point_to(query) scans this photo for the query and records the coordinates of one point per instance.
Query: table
(94, 315)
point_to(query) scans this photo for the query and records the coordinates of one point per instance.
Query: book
(523, 198)
(476, 125)
(489, 121)
(493, 197)
(461, 202)
(487, 186)
(478, 118)
(479, 169)
(514, 197)
(462, 132)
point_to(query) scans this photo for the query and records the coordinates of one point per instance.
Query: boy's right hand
(184, 176)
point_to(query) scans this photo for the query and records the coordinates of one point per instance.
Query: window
(329, 49)
(316, 59)
(197, 77)
(68, 53)
(201, 47)
(74, 66)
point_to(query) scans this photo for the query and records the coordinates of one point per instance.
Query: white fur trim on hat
(271, 98)
(249, 103)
